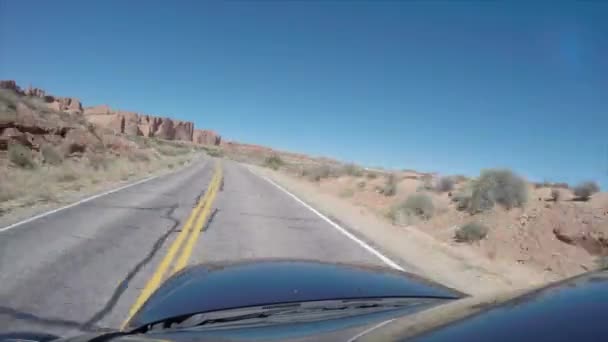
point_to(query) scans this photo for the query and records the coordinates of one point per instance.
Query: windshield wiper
(283, 312)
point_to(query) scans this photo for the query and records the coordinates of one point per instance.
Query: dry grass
(51, 183)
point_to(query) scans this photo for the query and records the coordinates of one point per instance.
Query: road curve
(83, 268)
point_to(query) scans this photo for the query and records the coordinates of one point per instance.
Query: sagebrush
(51, 155)
(317, 172)
(584, 190)
(352, 170)
(21, 156)
(390, 186)
(497, 186)
(555, 195)
(444, 184)
(274, 162)
(471, 232)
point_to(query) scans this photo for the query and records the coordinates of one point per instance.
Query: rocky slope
(24, 125)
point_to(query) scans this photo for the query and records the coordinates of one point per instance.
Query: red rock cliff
(122, 122)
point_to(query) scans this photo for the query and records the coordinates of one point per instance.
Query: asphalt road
(83, 268)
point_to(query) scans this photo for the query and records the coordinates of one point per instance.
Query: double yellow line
(195, 223)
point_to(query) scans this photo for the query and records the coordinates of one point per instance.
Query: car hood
(211, 287)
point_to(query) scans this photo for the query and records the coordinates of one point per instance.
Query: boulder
(592, 239)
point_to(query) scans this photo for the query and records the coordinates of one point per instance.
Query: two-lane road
(84, 268)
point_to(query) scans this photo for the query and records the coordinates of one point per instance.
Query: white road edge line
(33, 218)
(361, 243)
(367, 331)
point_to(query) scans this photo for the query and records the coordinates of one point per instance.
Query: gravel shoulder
(417, 251)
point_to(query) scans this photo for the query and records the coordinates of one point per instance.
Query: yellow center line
(157, 277)
(182, 261)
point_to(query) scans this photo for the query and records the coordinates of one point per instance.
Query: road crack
(122, 287)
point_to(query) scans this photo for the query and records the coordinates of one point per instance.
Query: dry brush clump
(494, 186)
(352, 170)
(390, 186)
(317, 172)
(471, 232)
(584, 190)
(555, 195)
(274, 162)
(50, 155)
(21, 156)
(444, 184)
(416, 206)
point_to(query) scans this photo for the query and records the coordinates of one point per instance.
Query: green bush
(274, 162)
(419, 205)
(21, 156)
(390, 186)
(584, 190)
(497, 186)
(471, 232)
(51, 155)
(444, 184)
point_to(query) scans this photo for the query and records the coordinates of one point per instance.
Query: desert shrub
(352, 170)
(21, 156)
(444, 184)
(427, 183)
(98, 161)
(555, 195)
(390, 186)
(420, 205)
(371, 175)
(274, 162)
(361, 185)
(471, 232)
(347, 193)
(497, 186)
(215, 153)
(316, 173)
(9, 98)
(602, 262)
(172, 150)
(51, 155)
(66, 174)
(462, 199)
(584, 190)
(170, 165)
(138, 156)
(8, 191)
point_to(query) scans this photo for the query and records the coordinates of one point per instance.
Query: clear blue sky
(448, 87)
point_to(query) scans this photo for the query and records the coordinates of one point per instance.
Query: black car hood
(211, 287)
